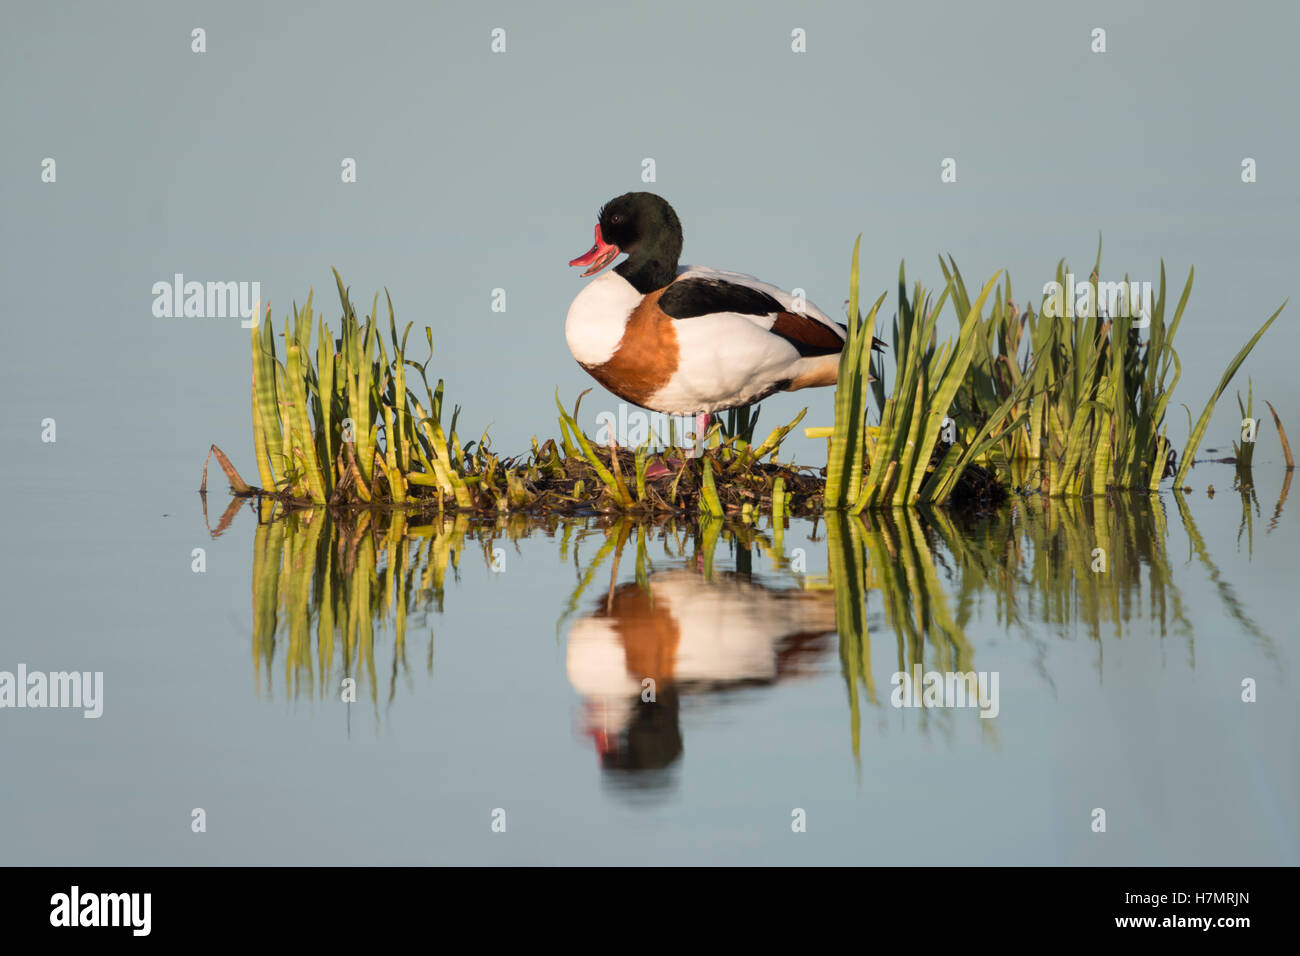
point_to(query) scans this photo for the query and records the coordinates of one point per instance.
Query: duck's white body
(704, 363)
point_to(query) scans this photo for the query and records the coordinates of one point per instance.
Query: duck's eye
(616, 218)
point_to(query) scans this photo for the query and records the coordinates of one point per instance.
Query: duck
(689, 340)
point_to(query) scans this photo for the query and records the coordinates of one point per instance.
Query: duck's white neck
(597, 317)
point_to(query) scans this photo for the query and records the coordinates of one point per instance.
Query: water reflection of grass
(1055, 567)
(1080, 564)
(890, 552)
(322, 588)
(1227, 594)
(327, 588)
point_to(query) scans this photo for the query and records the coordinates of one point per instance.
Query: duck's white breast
(597, 317)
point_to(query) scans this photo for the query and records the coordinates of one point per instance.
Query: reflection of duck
(687, 634)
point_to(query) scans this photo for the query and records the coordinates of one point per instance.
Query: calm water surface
(506, 667)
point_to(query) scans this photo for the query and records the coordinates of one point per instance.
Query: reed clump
(1068, 406)
(1028, 401)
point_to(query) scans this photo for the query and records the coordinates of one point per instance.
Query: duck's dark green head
(645, 227)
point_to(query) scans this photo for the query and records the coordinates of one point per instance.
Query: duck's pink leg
(702, 421)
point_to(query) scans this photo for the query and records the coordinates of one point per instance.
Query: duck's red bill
(598, 256)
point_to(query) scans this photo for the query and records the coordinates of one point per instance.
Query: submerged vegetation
(1023, 402)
